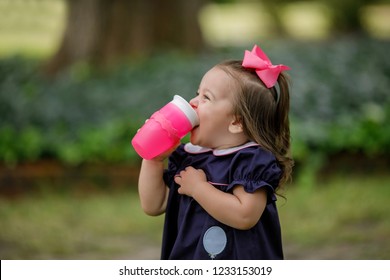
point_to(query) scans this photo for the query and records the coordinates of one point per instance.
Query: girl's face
(214, 107)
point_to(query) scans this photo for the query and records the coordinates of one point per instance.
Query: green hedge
(340, 101)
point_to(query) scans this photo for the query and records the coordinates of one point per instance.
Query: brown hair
(263, 115)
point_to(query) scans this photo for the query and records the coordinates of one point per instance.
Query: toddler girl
(218, 192)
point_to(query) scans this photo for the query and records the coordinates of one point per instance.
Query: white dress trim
(194, 149)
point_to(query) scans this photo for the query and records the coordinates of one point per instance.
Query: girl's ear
(235, 126)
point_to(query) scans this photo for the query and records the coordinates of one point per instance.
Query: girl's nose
(194, 102)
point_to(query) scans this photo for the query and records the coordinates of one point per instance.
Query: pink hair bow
(267, 72)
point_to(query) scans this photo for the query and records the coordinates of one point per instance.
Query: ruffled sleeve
(255, 168)
(174, 162)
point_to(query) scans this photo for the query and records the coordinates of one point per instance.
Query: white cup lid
(187, 109)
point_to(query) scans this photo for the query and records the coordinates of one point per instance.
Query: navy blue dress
(191, 233)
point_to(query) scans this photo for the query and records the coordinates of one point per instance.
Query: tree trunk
(101, 32)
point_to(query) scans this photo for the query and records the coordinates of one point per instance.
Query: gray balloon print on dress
(214, 241)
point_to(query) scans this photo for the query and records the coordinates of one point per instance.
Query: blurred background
(78, 78)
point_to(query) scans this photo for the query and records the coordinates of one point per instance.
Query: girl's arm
(240, 209)
(152, 190)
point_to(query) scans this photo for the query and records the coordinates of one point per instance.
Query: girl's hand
(188, 179)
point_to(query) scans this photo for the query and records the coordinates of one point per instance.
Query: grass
(340, 218)
(65, 225)
(345, 217)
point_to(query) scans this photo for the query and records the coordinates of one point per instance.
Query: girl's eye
(203, 96)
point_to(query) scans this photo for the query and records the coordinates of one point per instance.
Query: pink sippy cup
(165, 128)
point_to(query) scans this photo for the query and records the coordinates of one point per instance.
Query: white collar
(193, 149)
